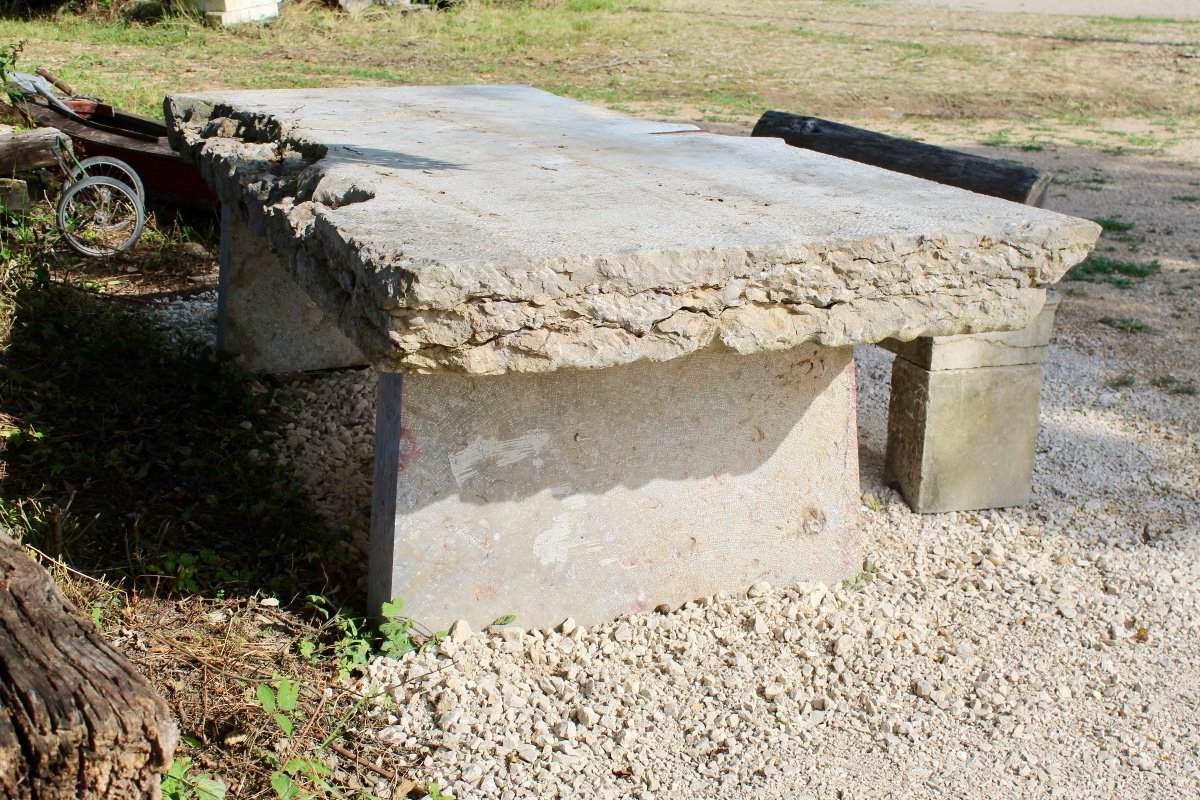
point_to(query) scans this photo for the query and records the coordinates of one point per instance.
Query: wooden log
(29, 150)
(77, 721)
(990, 176)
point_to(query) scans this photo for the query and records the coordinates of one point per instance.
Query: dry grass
(675, 58)
(207, 657)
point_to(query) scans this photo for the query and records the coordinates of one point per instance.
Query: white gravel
(190, 318)
(1050, 651)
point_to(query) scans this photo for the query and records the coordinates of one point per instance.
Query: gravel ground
(1050, 651)
(1045, 652)
(187, 317)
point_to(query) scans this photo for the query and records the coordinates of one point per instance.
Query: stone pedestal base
(963, 417)
(593, 493)
(265, 317)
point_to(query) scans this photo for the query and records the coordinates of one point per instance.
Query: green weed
(1002, 138)
(351, 641)
(1174, 385)
(1119, 273)
(1126, 325)
(861, 579)
(179, 784)
(1113, 225)
(298, 771)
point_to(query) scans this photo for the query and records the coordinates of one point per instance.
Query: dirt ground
(1161, 9)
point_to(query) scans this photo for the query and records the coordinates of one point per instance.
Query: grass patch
(1122, 382)
(1186, 198)
(661, 52)
(1117, 272)
(1174, 385)
(1113, 225)
(1001, 138)
(1126, 325)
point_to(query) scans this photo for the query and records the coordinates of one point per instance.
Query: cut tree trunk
(77, 721)
(990, 176)
(29, 150)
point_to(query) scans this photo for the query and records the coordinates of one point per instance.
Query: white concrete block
(234, 12)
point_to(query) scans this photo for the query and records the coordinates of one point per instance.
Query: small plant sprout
(1174, 385)
(179, 784)
(279, 701)
(1126, 325)
(1113, 225)
(1119, 273)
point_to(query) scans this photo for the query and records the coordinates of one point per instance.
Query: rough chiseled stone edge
(482, 319)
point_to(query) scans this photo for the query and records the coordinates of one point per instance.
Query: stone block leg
(963, 417)
(592, 493)
(265, 317)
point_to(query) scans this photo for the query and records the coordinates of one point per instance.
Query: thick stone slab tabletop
(494, 229)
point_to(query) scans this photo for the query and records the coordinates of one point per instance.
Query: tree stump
(77, 721)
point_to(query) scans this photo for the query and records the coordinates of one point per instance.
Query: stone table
(621, 349)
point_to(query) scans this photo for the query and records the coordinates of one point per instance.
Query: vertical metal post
(384, 484)
(223, 278)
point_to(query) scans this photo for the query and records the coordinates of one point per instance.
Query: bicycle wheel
(109, 167)
(100, 216)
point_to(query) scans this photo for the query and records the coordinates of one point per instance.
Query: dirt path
(1156, 9)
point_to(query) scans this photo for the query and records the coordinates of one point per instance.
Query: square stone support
(963, 417)
(592, 493)
(265, 317)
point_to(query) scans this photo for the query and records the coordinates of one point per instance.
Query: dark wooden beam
(990, 176)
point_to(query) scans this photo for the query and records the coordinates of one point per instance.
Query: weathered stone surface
(264, 317)
(493, 229)
(997, 349)
(963, 416)
(962, 439)
(14, 196)
(592, 493)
